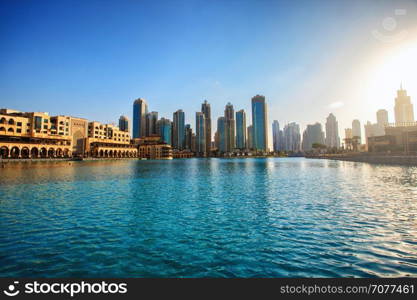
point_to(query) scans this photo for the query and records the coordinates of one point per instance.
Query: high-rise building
(313, 134)
(124, 124)
(151, 119)
(372, 130)
(206, 110)
(332, 132)
(292, 137)
(382, 117)
(222, 134)
(348, 133)
(140, 109)
(241, 129)
(404, 111)
(164, 129)
(200, 125)
(229, 115)
(188, 137)
(178, 130)
(276, 136)
(356, 130)
(259, 123)
(250, 137)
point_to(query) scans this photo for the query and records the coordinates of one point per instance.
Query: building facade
(241, 130)
(230, 123)
(206, 110)
(332, 132)
(313, 134)
(404, 110)
(124, 124)
(164, 130)
(259, 124)
(178, 130)
(200, 125)
(140, 109)
(292, 137)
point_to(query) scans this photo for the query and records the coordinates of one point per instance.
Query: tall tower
(356, 130)
(222, 134)
(151, 119)
(275, 135)
(250, 137)
(241, 129)
(229, 115)
(259, 123)
(206, 110)
(124, 124)
(200, 125)
(382, 117)
(404, 111)
(164, 129)
(312, 135)
(292, 137)
(140, 109)
(178, 130)
(332, 132)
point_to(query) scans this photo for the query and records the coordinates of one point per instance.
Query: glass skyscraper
(206, 110)
(165, 130)
(241, 129)
(259, 123)
(178, 130)
(140, 109)
(200, 124)
(229, 115)
(222, 134)
(124, 124)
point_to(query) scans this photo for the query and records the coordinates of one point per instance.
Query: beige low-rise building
(38, 135)
(108, 141)
(153, 148)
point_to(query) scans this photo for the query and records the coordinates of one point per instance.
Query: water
(282, 217)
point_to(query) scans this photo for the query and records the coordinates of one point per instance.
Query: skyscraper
(200, 124)
(241, 129)
(356, 130)
(178, 130)
(259, 123)
(229, 115)
(140, 109)
(292, 137)
(124, 124)
(206, 110)
(332, 132)
(164, 129)
(250, 137)
(151, 119)
(404, 111)
(275, 136)
(382, 117)
(222, 134)
(188, 137)
(313, 134)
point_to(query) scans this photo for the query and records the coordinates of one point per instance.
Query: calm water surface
(282, 217)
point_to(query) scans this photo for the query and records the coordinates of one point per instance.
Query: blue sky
(93, 58)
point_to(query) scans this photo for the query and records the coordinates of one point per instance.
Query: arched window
(11, 122)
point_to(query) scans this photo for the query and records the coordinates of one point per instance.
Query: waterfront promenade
(391, 159)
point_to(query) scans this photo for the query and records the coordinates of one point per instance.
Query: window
(19, 124)
(38, 123)
(45, 120)
(45, 126)
(19, 130)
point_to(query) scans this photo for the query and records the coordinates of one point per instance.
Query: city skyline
(102, 71)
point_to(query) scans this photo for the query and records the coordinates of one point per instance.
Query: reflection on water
(208, 217)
